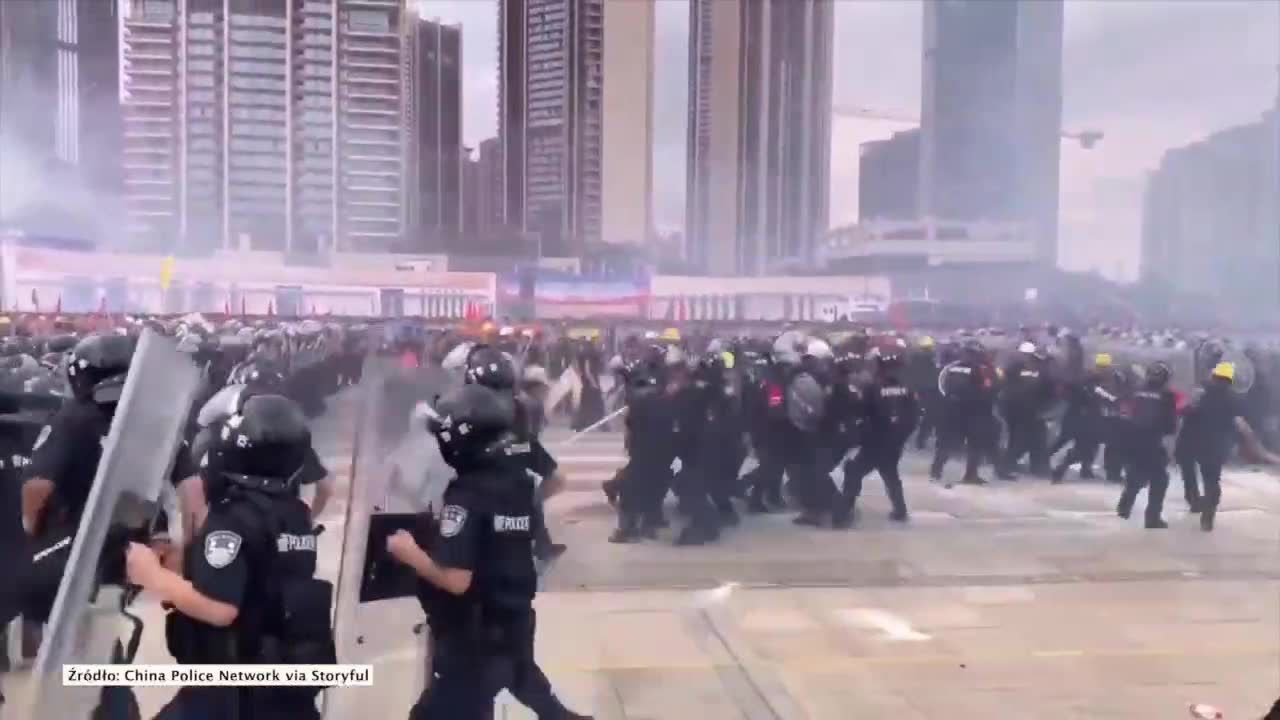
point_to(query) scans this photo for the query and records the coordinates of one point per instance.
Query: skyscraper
(550, 120)
(59, 104)
(437, 159)
(991, 114)
(267, 124)
(626, 213)
(759, 133)
(888, 177)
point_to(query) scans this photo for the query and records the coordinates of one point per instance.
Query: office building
(1210, 213)
(266, 124)
(436, 202)
(991, 115)
(550, 121)
(59, 106)
(888, 177)
(482, 222)
(759, 134)
(626, 213)
(152, 133)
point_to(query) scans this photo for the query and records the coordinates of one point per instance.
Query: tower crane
(1086, 138)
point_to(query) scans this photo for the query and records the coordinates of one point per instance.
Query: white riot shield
(397, 472)
(137, 456)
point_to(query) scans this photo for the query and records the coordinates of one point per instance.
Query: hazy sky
(1150, 74)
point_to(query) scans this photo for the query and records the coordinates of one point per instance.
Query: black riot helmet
(97, 367)
(1157, 376)
(261, 446)
(490, 367)
(61, 343)
(474, 426)
(261, 375)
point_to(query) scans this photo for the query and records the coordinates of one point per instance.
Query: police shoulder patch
(221, 548)
(452, 519)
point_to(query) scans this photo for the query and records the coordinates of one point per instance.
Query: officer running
(247, 591)
(477, 572)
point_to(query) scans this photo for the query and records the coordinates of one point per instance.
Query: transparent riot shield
(397, 472)
(89, 616)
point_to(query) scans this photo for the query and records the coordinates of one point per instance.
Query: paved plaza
(1014, 600)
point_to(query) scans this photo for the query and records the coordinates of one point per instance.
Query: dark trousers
(958, 434)
(642, 487)
(882, 456)
(766, 478)
(468, 675)
(693, 487)
(1146, 469)
(808, 472)
(1211, 472)
(1028, 435)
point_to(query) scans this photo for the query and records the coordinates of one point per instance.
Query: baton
(574, 438)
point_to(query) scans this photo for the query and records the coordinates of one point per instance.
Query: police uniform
(256, 552)
(1153, 416)
(892, 412)
(482, 640)
(66, 453)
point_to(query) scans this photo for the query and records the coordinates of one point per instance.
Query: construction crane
(1086, 138)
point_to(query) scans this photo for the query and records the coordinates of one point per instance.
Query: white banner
(217, 675)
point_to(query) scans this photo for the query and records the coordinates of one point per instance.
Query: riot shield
(137, 457)
(396, 473)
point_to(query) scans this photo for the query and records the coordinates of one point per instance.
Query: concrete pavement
(1012, 600)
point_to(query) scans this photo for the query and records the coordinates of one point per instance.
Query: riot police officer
(247, 592)
(477, 577)
(1205, 441)
(1153, 416)
(488, 366)
(64, 463)
(965, 413)
(891, 412)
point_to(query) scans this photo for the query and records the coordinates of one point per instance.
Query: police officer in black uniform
(1205, 441)
(963, 414)
(1153, 416)
(246, 592)
(63, 465)
(494, 369)
(477, 573)
(891, 412)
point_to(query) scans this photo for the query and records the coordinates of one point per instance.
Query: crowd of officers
(803, 408)
(236, 574)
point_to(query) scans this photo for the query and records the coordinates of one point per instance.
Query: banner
(560, 295)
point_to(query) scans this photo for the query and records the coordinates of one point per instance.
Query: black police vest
(284, 617)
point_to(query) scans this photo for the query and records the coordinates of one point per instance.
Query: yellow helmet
(926, 342)
(1102, 360)
(727, 357)
(1225, 370)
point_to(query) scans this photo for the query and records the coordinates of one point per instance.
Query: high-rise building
(28, 107)
(436, 202)
(626, 213)
(1210, 214)
(550, 121)
(59, 104)
(888, 177)
(482, 222)
(267, 124)
(991, 114)
(759, 134)
(151, 105)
